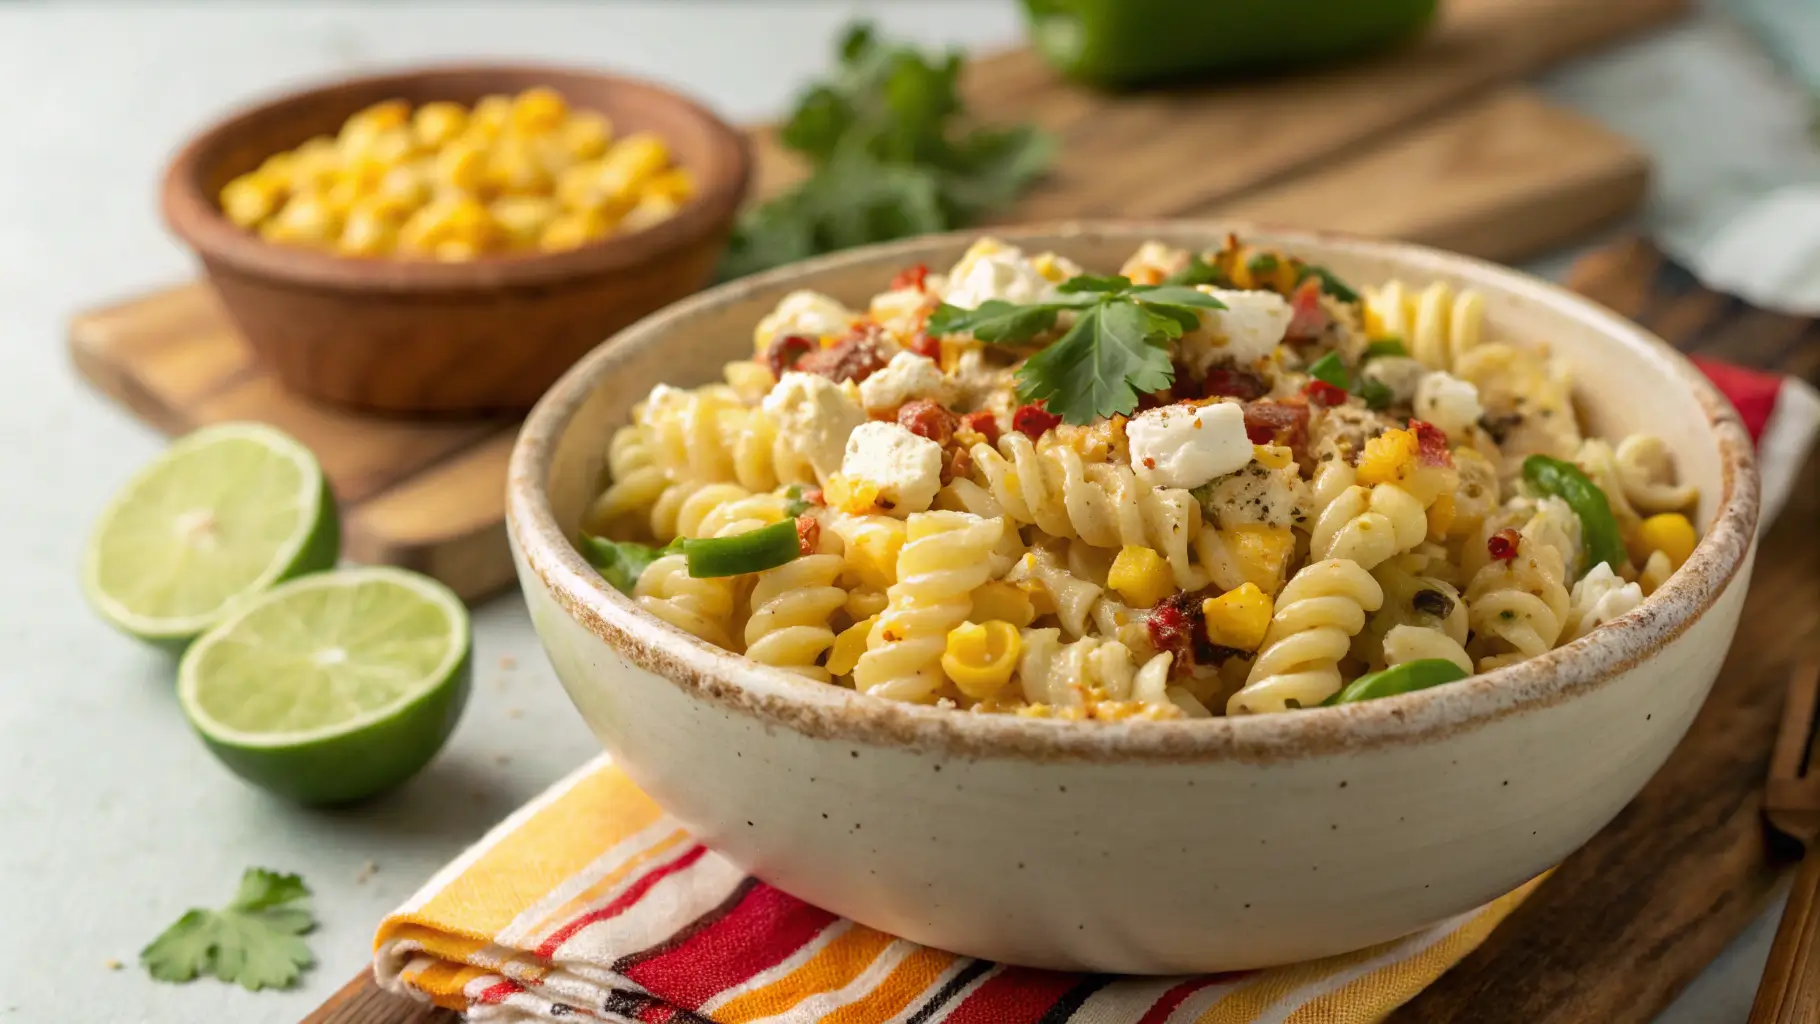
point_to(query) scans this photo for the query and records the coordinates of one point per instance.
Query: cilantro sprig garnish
(1115, 350)
(891, 153)
(254, 942)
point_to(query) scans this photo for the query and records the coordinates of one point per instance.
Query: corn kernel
(456, 250)
(461, 165)
(980, 657)
(251, 198)
(649, 211)
(852, 495)
(1262, 553)
(380, 116)
(513, 167)
(676, 183)
(848, 646)
(538, 109)
(1040, 598)
(1003, 601)
(1388, 457)
(522, 219)
(630, 163)
(371, 230)
(314, 165)
(1671, 534)
(304, 220)
(437, 124)
(585, 136)
(1440, 517)
(452, 218)
(1140, 576)
(407, 186)
(1272, 456)
(341, 196)
(1238, 618)
(566, 231)
(489, 117)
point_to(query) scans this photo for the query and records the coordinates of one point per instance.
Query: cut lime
(331, 687)
(225, 512)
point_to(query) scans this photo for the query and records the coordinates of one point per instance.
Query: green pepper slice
(1599, 535)
(618, 562)
(1385, 347)
(1121, 43)
(1405, 678)
(753, 551)
(1329, 368)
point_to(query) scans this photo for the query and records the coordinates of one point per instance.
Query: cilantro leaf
(994, 320)
(1093, 283)
(1176, 295)
(891, 154)
(255, 941)
(1329, 368)
(1376, 393)
(1198, 271)
(619, 562)
(1330, 284)
(1110, 356)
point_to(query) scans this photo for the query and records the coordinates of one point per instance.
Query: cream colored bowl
(1144, 847)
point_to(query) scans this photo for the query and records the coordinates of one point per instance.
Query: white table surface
(113, 820)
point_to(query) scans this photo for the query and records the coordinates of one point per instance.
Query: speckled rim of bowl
(195, 217)
(777, 698)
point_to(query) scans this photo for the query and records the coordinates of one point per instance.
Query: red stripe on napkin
(1751, 392)
(624, 902)
(1015, 995)
(765, 928)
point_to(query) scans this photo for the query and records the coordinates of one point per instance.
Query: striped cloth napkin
(590, 903)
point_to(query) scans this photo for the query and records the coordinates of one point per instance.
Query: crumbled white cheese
(906, 468)
(994, 270)
(815, 416)
(906, 376)
(1186, 446)
(1598, 598)
(1258, 496)
(1248, 329)
(808, 313)
(1447, 402)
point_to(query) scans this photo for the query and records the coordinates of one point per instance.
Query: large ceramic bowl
(1144, 847)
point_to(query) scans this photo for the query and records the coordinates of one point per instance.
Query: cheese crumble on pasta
(1329, 484)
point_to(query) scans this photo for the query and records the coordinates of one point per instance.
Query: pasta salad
(1215, 482)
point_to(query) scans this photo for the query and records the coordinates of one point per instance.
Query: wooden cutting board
(1622, 926)
(1423, 145)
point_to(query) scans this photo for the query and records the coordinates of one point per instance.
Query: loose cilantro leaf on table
(253, 942)
(887, 159)
(1115, 350)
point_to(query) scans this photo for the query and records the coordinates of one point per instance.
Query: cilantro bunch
(888, 159)
(255, 941)
(1116, 349)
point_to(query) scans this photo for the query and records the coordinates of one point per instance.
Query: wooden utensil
(1790, 991)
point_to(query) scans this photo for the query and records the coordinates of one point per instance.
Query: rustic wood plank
(447, 522)
(362, 1001)
(1502, 178)
(1632, 917)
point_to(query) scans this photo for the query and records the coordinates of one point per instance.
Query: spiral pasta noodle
(1518, 608)
(1102, 504)
(793, 607)
(1437, 324)
(702, 608)
(1317, 614)
(1059, 673)
(944, 559)
(637, 482)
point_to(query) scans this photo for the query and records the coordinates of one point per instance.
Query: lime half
(334, 686)
(225, 512)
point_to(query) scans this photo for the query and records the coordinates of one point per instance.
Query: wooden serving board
(1424, 145)
(1623, 925)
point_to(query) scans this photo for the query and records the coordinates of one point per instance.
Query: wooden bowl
(413, 336)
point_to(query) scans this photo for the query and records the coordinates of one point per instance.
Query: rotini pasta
(868, 502)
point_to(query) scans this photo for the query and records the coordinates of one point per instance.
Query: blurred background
(114, 818)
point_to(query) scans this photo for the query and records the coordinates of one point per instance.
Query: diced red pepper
(1241, 384)
(924, 345)
(1322, 393)
(808, 534)
(927, 418)
(916, 276)
(1503, 545)
(786, 351)
(1033, 421)
(814, 496)
(982, 423)
(1175, 623)
(1431, 444)
(1307, 318)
